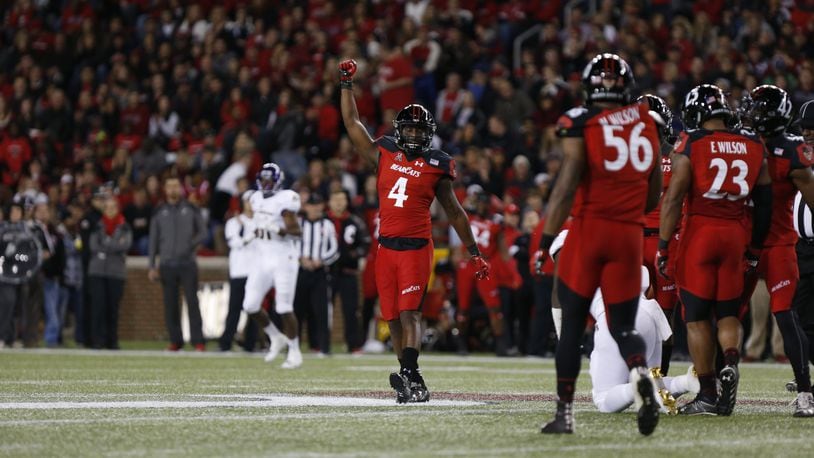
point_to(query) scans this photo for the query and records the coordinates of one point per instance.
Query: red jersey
(485, 232)
(786, 153)
(725, 166)
(621, 147)
(407, 188)
(652, 219)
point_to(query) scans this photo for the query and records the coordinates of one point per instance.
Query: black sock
(709, 389)
(622, 326)
(409, 358)
(565, 389)
(795, 343)
(401, 364)
(732, 357)
(666, 355)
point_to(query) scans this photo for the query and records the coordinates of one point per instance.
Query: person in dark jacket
(354, 241)
(176, 230)
(109, 244)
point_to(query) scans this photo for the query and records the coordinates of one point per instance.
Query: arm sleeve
(153, 248)
(330, 246)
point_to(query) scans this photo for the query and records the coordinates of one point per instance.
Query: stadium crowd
(101, 101)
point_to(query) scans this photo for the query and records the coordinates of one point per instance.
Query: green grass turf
(518, 392)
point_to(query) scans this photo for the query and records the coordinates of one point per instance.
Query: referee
(804, 224)
(318, 250)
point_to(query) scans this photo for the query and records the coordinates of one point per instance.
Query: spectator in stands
(109, 244)
(176, 230)
(137, 214)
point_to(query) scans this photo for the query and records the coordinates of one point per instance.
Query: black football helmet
(607, 78)
(663, 116)
(766, 109)
(414, 115)
(703, 103)
(270, 178)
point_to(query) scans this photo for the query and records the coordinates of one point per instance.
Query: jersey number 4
(739, 180)
(637, 150)
(399, 192)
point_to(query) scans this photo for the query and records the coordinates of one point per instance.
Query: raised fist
(347, 68)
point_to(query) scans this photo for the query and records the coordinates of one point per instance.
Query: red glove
(538, 259)
(347, 68)
(481, 267)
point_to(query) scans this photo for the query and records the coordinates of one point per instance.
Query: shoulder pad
(443, 161)
(572, 122)
(387, 142)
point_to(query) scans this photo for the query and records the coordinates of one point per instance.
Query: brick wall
(141, 316)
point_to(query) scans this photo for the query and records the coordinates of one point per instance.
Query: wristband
(473, 249)
(663, 244)
(546, 241)
(345, 84)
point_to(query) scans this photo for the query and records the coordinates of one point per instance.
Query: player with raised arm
(276, 229)
(609, 175)
(410, 175)
(664, 289)
(717, 170)
(767, 110)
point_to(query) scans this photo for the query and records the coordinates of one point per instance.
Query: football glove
(481, 267)
(347, 68)
(538, 260)
(752, 259)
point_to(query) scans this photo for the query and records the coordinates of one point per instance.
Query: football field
(151, 403)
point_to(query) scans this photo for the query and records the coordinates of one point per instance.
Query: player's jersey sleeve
(289, 201)
(682, 145)
(572, 122)
(444, 162)
(803, 154)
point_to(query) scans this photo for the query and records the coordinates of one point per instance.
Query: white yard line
(258, 401)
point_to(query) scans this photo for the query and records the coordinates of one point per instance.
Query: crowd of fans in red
(124, 93)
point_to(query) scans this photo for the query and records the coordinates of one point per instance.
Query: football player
(664, 289)
(410, 175)
(276, 229)
(611, 177)
(767, 110)
(717, 170)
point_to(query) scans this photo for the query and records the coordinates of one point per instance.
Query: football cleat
(277, 345)
(400, 383)
(729, 390)
(668, 402)
(693, 384)
(644, 398)
(698, 406)
(294, 359)
(804, 405)
(418, 389)
(563, 422)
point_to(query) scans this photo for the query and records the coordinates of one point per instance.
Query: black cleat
(698, 406)
(645, 398)
(563, 422)
(729, 390)
(402, 386)
(418, 389)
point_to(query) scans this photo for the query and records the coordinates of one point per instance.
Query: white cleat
(294, 360)
(277, 345)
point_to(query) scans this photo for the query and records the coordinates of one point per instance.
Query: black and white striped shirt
(802, 218)
(319, 240)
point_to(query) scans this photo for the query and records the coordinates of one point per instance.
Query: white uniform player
(275, 260)
(612, 390)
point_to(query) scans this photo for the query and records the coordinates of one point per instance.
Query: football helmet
(766, 109)
(417, 116)
(663, 116)
(607, 78)
(703, 103)
(270, 178)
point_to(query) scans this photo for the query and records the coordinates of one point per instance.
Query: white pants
(276, 269)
